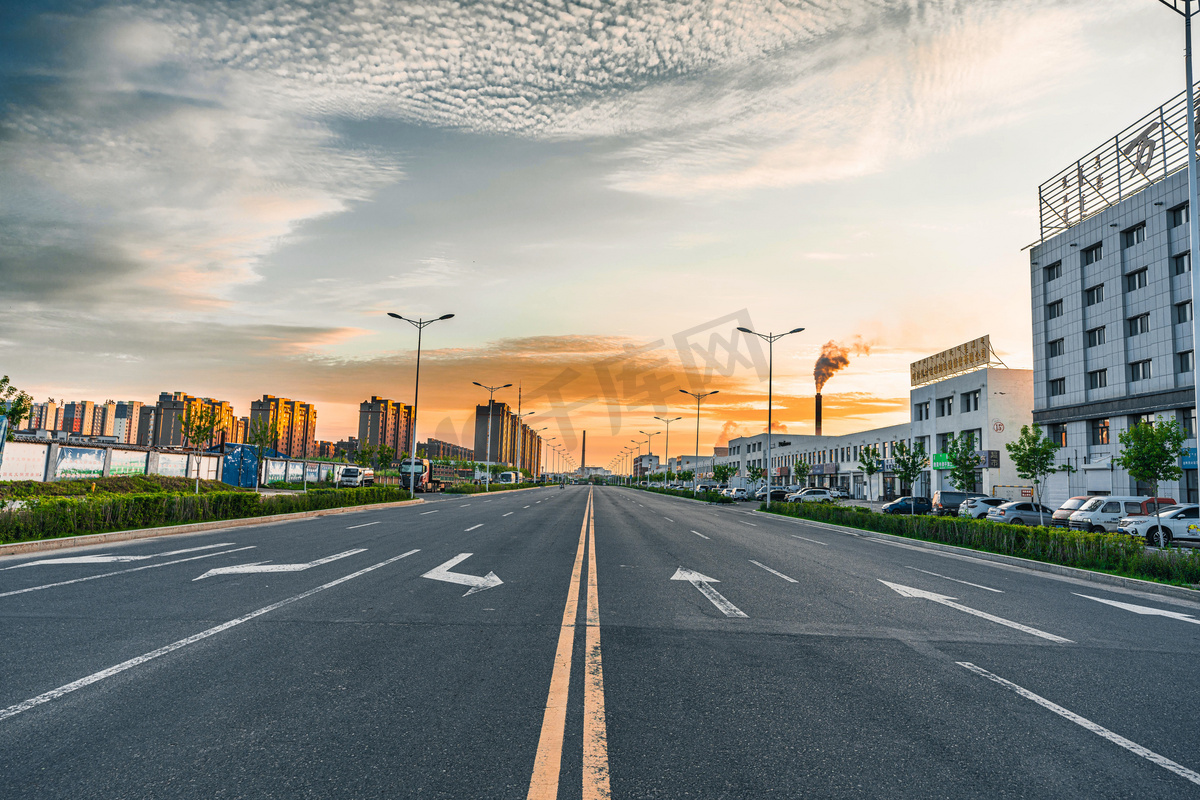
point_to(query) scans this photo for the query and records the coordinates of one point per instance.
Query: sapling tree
(964, 460)
(910, 463)
(1033, 457)
(262, 434)
(198, 424)
(1150, 453)
(868, 462)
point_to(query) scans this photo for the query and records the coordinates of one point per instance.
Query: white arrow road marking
(956, 580)
(701, 535)
(96, 677)
(1087, 724)
(703, 583)
(442, 573)
(908, 591)
(814, 541)
(365, 524)
(104, 558)
(124, 571)
(473, 527)
(262, 566)
(1144, 610)
(773, 572)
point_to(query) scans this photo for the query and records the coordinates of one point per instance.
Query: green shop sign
(989, 459)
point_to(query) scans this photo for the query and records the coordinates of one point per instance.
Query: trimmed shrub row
(124, 484)
(50, 518)
(1106, 552)
(470, 488)
(705, 497)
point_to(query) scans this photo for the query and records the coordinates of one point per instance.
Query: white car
(839, 493)
(978, 507)
(739, 493)
(1178, 522)
(811, 496)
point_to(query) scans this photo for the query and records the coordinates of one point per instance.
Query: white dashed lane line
(423, 513)
(701, 535)
(509, 514)
(473, 527)
(814, 541)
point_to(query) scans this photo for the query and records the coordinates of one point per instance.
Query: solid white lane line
(956, 580)
(509, 514)
(701, 535)
(668, 519)
(96, 677)
(123, 571)
(473, 527)
(1087, 724)
(773, 572)
(365, 524)
(814, 541)
(105, 558)
(423, 513)
(1143, 610)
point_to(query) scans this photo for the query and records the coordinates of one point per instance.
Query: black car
(908, 505)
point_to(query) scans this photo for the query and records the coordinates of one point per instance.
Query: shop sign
(988, 459)
(1189, 458)
(975, 353)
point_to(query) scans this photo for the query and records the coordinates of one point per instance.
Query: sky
(226, 199)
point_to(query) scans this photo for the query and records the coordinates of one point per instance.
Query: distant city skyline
(226, 200)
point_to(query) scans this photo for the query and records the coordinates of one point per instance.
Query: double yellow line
(548, 762)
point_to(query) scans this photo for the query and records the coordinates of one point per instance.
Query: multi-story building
(494, 423)
(1111, 279)
(173, 408)
(104, 418)
(44, 416)
(383, 422)
(646, 464)
(79, 417)
(326, 450)
(125, 421)
(295, 421)
(436, 448)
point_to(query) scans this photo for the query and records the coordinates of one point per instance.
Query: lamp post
(1193, 198)
(487, 478)
(770, 339)
(699, 396)
(649, 449)
(420, 325)
(633, 461)
(667, 446)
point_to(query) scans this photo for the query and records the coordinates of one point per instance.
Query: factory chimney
(818, 413)
(583, 455)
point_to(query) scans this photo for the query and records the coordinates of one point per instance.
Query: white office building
(1112, 311)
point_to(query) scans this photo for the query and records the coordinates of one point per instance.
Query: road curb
(1137, 584)
(45, 545)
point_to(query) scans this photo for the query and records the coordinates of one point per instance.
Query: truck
(429, 477)
(354, 476)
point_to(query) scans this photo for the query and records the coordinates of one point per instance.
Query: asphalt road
(694, 651)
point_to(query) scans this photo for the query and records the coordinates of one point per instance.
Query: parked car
(978, 507)
(839, 493)
(908, 505)
(1103, 513)
(1062, 517)
(740, 493)
(1178, 522)
(946, 502)
(778, 495)
(1020, 512)
(810, 496)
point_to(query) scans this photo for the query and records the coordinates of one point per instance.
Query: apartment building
(383, 422)
(295, 424)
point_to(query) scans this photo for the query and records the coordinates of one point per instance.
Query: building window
(1181, 263)
(1097, 379)
(1178, 215)
(1054, 310)
(1185, 362)
(1187, 421)
(1135, 326)
(921, 411)
(1139, 371)
(1093, 254)
(1057, 433)
(945, 406)
(970, 401)
(1053, 272)
(1183, 312)
(1099, 431)
(1136, 280)
(1058, 387)
(1095, 337)
(1093, 295)
(1054, 349)
(1134, 235)
(943, 441)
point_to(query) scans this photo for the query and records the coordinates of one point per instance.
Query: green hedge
(50, 518)
(706, 497)
(123, 484)
(470, 488)
(1106, 552)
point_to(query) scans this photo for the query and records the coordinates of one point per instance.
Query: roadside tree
(1150, 453)
(14, 406)
(1033, 457)
(723, 473)
(800, 472)
(261, 434)
(868, 462)
(910, 463)
(197, 426)
(964, 460)
(754, 473)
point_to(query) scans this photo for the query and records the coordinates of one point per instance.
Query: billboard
(173, 465)
(966, 356)
(24, 461)
(988, 459)
(295, 471)
(327, 470)
(310, 472)
(79, 462)
(127, 462)
(276, 470)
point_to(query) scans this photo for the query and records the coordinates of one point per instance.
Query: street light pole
(667, 446)
(649, 449)
(420, 325)
(487, 477)
(770, 339)
(699, 396)
(1193, 198)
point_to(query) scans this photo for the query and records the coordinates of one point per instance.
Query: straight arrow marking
(1143, 610)
(104, 558)
(442, 573)
(124, 571)
(704, 584)
(909, 591)
(262, 566)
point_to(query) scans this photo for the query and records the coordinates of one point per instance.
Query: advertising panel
(79, 462)
(24, 461)
(310, 472)
(988, 459)
(208, 467)
(127, 462)
(276, 470)
(326, 472)
(295, 471)
(1189, 458)
(173, 465)
(975, 353)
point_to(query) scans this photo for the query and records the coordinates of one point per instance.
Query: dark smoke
(835, 357)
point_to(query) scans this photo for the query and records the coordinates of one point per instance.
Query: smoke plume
(835, 357)
(730, 430)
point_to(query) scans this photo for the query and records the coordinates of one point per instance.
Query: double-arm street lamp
(770, 339)
(696, 466)
(667, 446)
(419, 324)
(487, 478)
(649, 449)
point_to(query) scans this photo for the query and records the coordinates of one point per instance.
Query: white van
(1103, 513)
